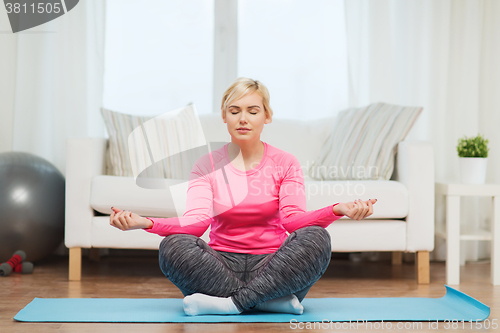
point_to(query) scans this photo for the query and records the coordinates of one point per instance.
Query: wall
(8, 47)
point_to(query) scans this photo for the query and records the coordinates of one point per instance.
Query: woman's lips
(243, 130)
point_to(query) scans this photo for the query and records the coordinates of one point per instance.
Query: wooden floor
(140, 277)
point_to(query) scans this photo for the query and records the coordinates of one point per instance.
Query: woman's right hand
(126, 220)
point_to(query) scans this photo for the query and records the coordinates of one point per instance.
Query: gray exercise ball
(32, 193)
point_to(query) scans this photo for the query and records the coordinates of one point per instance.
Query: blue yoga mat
(455, 305)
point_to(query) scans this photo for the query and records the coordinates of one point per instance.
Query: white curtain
(58, 82)
(442, 55)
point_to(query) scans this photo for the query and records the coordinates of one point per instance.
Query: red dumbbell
(24, 268)
(16, 264)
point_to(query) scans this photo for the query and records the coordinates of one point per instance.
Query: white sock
(285, 304)
(201, 304)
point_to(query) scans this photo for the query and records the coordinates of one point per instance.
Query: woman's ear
(268, 120)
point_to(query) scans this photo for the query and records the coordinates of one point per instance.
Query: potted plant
(473, 153)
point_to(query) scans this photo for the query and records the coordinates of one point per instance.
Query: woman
(251, 194)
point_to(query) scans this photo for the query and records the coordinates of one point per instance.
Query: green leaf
(473, 147)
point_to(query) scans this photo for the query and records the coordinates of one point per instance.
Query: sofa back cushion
(302, 138)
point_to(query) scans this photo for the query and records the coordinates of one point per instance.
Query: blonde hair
(243, 86)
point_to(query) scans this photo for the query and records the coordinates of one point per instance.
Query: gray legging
(250, 279)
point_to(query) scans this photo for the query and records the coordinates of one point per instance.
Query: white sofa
(403, 218)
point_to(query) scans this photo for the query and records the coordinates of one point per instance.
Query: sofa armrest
(85, 159)
(415, 169)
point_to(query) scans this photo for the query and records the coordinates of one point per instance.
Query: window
(158, 55)
(298, 50)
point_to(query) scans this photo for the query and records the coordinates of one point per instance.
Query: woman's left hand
(356, 210)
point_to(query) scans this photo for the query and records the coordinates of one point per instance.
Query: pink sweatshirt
(249, 211)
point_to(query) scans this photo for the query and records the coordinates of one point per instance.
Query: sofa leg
(75, 264)
(397, 257)
(422, 266)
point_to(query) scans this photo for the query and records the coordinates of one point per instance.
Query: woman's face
(247, 112)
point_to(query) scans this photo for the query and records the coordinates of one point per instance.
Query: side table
(452, 193)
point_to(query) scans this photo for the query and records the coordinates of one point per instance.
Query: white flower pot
(473, 169)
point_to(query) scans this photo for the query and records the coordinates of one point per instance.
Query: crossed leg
(280, 283)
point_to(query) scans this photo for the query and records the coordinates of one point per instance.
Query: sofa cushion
(214, 128)
(362, 143)
(302, 138)
(392, 196)
(368, 235)
(346, 236)
(140, 145)
(123, 193)
(103, 235)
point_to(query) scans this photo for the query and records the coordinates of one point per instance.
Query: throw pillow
(140, 146)
(363, 143)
